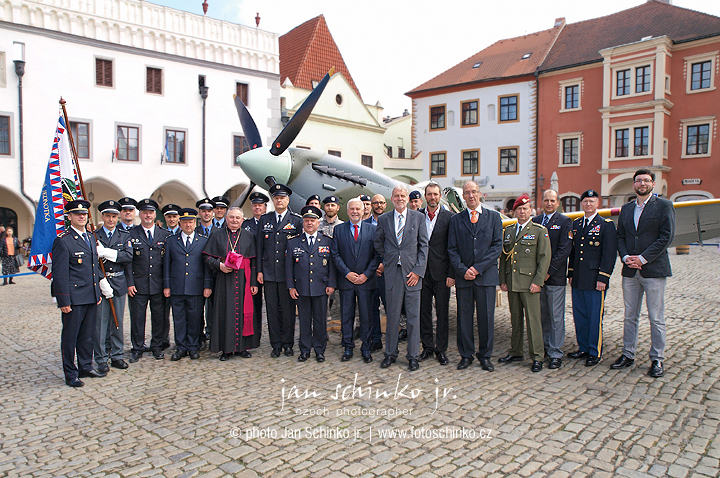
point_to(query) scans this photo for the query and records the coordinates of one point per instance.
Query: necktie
(545, 220)
(187, 241)
(279, 218)
(431, 215)
(311, 239)
(356, 231)
(585, 223)
(87, 240)
(474, 217)
(149, 236)
(519, 228)
(109, 235)
(206, 230)
(401, 227)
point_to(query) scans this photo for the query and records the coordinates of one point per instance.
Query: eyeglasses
(378, 202)
(648, 181)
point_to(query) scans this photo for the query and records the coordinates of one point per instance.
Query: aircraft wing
(696, 221)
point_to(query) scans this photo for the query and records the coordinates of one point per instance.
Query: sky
(393, 46)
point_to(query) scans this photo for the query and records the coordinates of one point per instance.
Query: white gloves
(106, 252)
(105, 288)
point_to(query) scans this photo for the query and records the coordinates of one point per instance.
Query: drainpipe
(20, 72)
(203, 95)
(537, 132)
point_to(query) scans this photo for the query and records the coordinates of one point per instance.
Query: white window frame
(567, 83)
(631, 125)
(684, 123)
(712, 56)
(562, 137)
(633, 66)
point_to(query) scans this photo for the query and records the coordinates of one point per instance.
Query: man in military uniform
(127, 213)
(415, 200)
(331, 219)
(367, 206)
(186, 280)
(524, 263)
(221, 206)
(311, 278)
(171, 211)
(206, 210)
(76, 287)
(145, 284)
(274, 230)
(592, 260)
(259, 207)
(313, 200)
(114, 248)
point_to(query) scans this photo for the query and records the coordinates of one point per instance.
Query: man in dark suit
(438, 280)
(592, 260)
(378, 204)
(114, 248)
(646, 227)
(274, 230)
(474, 245)
(172, 219)
(206, 211)
(76, 287)
(353, 252)
(186, 281)
(310, 277)
(401, 241)
(259, 202)
(552, 296)
(145, 284)
(127, 213)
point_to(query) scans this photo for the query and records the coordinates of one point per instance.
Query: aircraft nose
(258, 164)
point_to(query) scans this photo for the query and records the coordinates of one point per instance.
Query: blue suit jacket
(477, 247)
(309, 270)
(76, 271)
(351, 256)
(184, 269)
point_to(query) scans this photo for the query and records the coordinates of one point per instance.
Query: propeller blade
(292, 129)
(248, 125)
(240, 201)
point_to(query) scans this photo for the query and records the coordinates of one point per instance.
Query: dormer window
(526, 56)
(477, 65)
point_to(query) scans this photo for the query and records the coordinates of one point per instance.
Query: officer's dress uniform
(108, 337)
(592, 260)
(272, 240)
(525, 261)
(147, 277)
(76, 277)
(309, 270)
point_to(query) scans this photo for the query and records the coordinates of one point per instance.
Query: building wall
(488, 137)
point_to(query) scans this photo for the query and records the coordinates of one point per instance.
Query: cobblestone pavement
(244, 416)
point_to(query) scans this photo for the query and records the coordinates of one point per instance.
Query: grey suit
(399, 260)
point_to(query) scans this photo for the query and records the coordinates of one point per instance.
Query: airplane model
(308, 172)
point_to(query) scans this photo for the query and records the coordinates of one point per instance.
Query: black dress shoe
(92, 373)
(592, 361)
(376, 346)
(656, 369)
(303, 356)
(555, 363)
(510, 358)
(121, 364)
(275, 353)
(367, 358)
(414, 365)
(145, 349)
(464, 363)
(486, 364)
(426, 354)
(577, 355)
(347, 355)
(74, 382)
(135, 357)
(536, 366)
(320, 357)
(289, 352)
(244, 354)
(177, 356)
(158, 354)
(402, 335)
(622, 362)
(103, 368)
(194, 355)
(224, 357)
(442, 358)
(387, 361)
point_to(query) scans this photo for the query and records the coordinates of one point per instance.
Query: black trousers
(377, 297)
(78, 332)
(280, 309)
(138, 313)
(257, 314)
(312, 317)
(434, 342)
(167, 306)
(347, 303)
(188, 321)
(482, 298)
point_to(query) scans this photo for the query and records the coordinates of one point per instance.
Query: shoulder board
(293, 237)
(608, 220)
(321, 232)
(296, 215)
(62, 234)
(121, 231)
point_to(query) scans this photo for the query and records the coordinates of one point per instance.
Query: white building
(478, 119)
(131, 73)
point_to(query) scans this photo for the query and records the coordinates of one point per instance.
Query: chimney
(257, 19)
(669, 2)
(559, 21)
(405, 113)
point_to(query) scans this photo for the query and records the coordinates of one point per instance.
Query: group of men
(404, 258)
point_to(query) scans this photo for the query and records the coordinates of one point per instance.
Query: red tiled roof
(307, 52)
(502, 59)
(580, 42)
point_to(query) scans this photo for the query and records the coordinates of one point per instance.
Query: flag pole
(82, 188)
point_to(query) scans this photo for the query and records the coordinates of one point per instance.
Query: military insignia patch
(289, 227)
(324, 249)
(554, 226)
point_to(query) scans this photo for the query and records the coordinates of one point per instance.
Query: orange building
(633, 89)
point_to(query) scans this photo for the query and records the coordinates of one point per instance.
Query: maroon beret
(524, 199)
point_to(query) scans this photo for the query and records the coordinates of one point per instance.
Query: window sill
(562, 165)
(631, 158)
(570, 110)
(630, 95)
(693, 156)
(701, 90)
